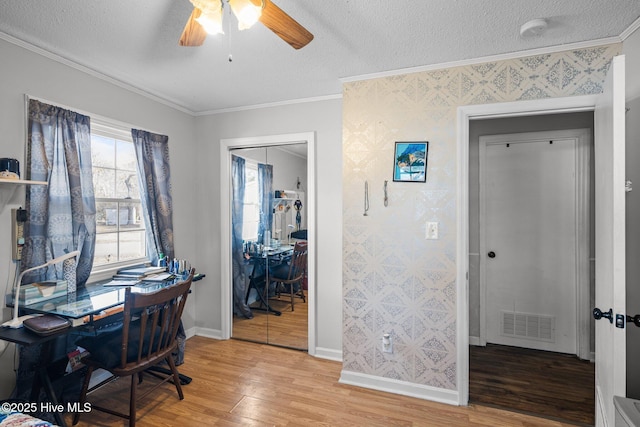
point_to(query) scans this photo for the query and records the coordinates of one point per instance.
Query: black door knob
(635, 320)
(598, 314)
(491, 254)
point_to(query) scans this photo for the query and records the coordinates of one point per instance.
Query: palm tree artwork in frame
(410, 161)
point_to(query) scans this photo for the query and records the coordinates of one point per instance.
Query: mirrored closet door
(269, 242)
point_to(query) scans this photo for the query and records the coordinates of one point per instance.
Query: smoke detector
(533, 28)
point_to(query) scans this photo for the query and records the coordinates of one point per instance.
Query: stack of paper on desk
(138, 272)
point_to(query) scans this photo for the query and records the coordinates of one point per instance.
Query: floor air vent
(529, 326)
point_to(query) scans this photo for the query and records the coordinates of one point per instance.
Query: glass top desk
(97, 298)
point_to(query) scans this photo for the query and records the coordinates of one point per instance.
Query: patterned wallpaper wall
(394, 280)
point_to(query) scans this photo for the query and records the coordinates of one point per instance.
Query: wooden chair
(293, 281)
(147, 337)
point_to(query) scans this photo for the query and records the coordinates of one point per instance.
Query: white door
(529, 237)
(610, 242)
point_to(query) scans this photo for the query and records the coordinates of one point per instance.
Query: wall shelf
(277, 202)
(8, 187)
(21, 182)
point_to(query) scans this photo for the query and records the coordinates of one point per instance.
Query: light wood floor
(237, 383)
(290, 329)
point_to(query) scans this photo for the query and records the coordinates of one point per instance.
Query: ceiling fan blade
(193, 33)
(285, 27)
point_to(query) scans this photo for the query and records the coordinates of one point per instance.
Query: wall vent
(529, 326)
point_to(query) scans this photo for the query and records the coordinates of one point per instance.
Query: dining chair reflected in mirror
(290, 278)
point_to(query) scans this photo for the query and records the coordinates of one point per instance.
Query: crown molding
(480, 60)
(82, 68)
(271, 104)
(630, 30)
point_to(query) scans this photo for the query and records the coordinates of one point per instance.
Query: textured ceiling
(136, 42)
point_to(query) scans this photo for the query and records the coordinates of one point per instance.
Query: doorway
(511, 170)
(227, 147)
(504, 125)
(267, 312)
(465, 160)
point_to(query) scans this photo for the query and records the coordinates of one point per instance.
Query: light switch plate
(432, 231)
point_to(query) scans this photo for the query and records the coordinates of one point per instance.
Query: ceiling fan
(206, 18)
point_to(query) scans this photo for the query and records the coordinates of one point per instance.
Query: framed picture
(410, 161)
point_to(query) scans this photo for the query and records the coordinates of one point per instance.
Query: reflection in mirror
(268, 218)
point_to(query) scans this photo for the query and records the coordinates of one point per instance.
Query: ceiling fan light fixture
(211, 22)
(210, 16)
(247, 12)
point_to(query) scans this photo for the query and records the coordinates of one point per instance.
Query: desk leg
(51, 394)
(41, 379)
(264, 301)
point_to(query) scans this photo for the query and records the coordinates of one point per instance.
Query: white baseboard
(321, 353)
(208, 333)
(190, 332)
(328, 353)
(474, 341)
(400, 387)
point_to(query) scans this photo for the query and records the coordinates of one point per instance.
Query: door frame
(226, 300)
(581, 152)
(466, 114)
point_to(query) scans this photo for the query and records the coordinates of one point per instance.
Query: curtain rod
(97, 117)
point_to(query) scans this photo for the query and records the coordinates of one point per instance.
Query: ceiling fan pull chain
(230, 58)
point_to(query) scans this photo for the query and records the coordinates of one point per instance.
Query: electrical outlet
(387, 343)
(432, 231)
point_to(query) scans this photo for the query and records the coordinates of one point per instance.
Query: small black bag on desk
(47, 324)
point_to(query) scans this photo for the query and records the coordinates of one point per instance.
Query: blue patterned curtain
(238, 262)
(265, 184)
(154, 177)
(61, 215)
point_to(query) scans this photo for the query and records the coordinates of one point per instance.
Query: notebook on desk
(161, 277)
(141, 271)
(120, 282)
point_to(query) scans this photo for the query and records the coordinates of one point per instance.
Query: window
(120, 228)
(251, 212)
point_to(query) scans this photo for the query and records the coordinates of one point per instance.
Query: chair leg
(132, 401)
(176, 377)
(292, 294)
(83, 393)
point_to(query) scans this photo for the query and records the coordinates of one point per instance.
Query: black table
(22, 336)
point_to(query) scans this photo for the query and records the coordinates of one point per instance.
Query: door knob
(635, 320)
(491, 254)
(598, 314)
